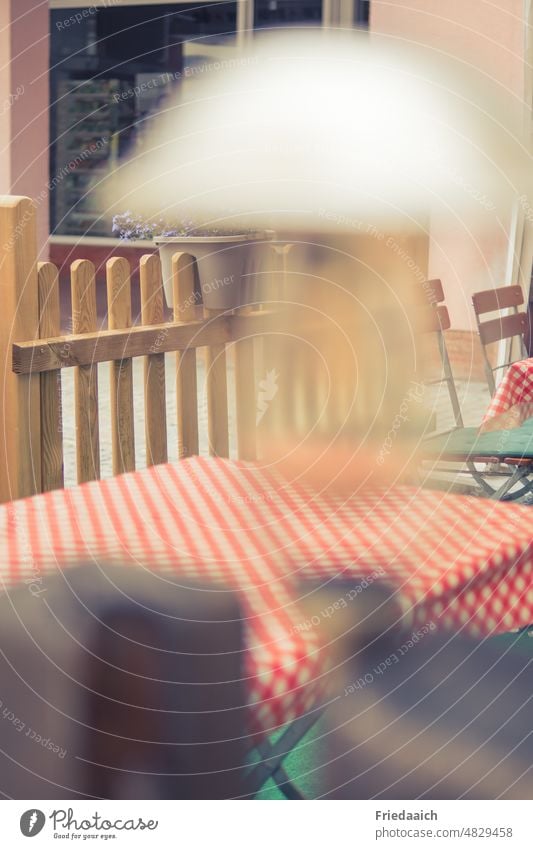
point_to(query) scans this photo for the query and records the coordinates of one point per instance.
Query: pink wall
(24, 134)
(489, 36)
(5, 88)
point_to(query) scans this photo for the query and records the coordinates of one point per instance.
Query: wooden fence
(34, 354)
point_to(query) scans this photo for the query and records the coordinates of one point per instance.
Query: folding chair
(503, 450)
(512, 325)
(435, 319)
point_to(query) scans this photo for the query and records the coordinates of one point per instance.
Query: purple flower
(127, 225)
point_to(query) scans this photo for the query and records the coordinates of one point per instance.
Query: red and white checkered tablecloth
(512, 403)
(462, 563)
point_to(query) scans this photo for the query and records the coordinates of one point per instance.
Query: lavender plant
(128, 225)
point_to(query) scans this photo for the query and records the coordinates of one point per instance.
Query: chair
(503, 449)
(509, 326)
(435, 319)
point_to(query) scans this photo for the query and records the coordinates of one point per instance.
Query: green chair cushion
(468, 442)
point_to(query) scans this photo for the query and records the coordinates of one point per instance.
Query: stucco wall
(5, 89)
(490, 36)
(24, 103)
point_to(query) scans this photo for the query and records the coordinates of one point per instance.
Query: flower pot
(228, 266)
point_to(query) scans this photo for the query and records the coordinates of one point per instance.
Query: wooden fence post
(84, 320)
(51, 397)
(186, 386)
(122, 417)
(155, 409)
(20, 415)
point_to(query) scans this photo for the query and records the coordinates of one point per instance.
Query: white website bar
(246, 824)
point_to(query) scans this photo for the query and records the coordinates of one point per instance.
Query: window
(112, 66)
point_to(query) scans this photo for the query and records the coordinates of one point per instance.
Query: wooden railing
(35, 355)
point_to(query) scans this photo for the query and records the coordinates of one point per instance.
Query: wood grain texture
(217, 395)
(20, 413)
(245, 397)
(85, 376)
(497, 299)
(121, 373)
(155, 411)
(35, 356)
(51, 405)
(503, 328)
(186, 380)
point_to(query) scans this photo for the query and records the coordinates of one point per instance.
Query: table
(457, 562)
(512, 403)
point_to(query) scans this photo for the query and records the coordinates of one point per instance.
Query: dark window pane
(279, 13)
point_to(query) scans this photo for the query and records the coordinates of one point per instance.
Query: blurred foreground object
(311, 129)
(427, 715)
(120, 684)
(349, 409)
(346, 147)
